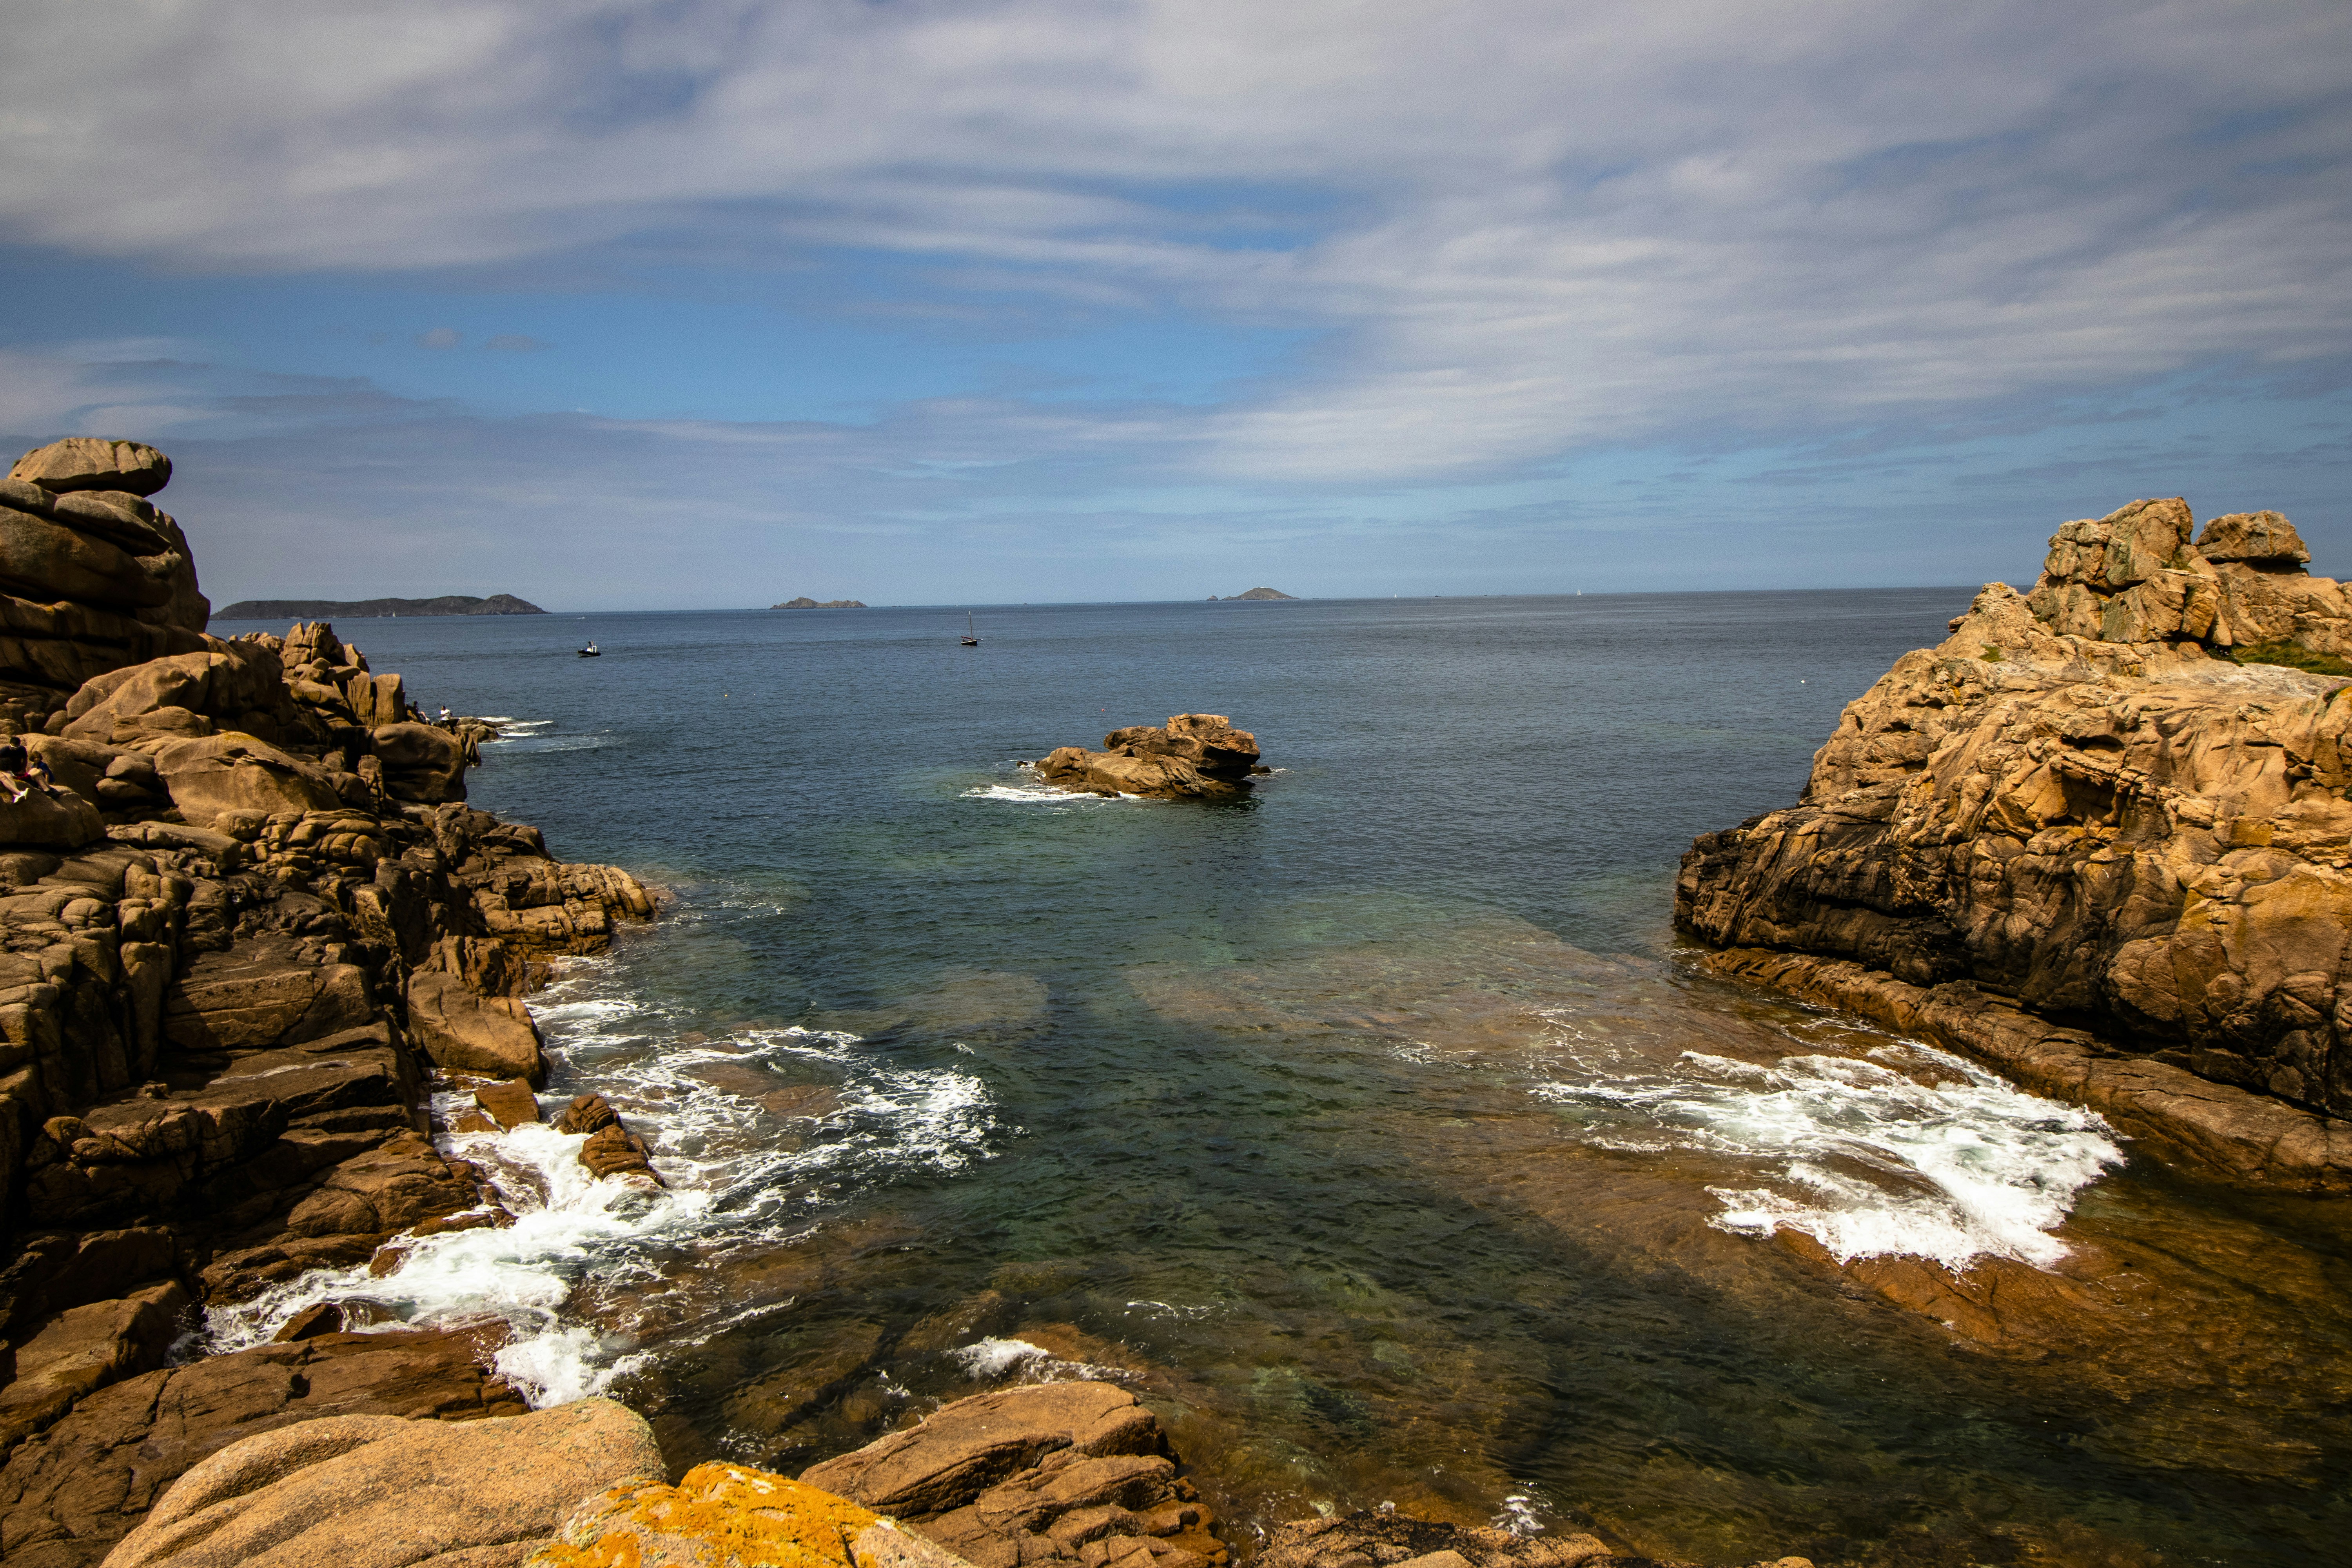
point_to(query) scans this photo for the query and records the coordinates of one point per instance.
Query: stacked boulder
(1195, 756)
(93, 578)
(2100, 837)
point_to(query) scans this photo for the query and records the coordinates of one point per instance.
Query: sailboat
(970, 638)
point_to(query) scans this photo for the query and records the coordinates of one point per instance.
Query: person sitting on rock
(37, 772)
(12, 768)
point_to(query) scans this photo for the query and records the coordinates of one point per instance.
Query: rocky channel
(251, 935)
(2099, 837)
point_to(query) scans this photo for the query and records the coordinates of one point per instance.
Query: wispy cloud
(1521, 229)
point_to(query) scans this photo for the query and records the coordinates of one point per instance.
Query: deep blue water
(1371, 1126)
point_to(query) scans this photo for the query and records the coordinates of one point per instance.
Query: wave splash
(757, 1136)
(1908, 1150)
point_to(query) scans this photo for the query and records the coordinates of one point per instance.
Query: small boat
(590, 652)
(970, 638)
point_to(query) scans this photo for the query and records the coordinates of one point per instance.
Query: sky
(701, 303)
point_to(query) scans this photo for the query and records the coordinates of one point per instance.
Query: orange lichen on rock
(718, 1516)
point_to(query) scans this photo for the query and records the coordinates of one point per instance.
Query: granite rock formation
(1267, 593)
(374, 609)
(1195, 756)
(805, 603)
(241, 932)
(2101, 836)
(391, 1492)
(1066, 1473)
(93, 578)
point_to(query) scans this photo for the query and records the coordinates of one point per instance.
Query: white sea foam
(1911, 1150)
(585, 1259)
(1038, 795)
(990, 1359)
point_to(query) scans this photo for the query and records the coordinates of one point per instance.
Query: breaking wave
(1906, 1150)
(756, 1136)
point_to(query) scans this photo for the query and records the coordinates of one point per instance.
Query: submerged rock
(2082, 840)
(1196, 755)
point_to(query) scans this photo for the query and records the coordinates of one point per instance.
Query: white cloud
(1525, 227)
(440, 338)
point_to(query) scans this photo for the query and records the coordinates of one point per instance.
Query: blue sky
(706, 304)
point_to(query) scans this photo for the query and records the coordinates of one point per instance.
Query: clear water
(1375, 1128)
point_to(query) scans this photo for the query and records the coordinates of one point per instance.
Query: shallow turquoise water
(1371, 1126)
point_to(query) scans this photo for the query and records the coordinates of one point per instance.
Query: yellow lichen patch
(719, 1516)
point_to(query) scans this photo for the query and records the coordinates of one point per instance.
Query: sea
(1376, 1128)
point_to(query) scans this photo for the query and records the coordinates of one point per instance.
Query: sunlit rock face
(2111, 803)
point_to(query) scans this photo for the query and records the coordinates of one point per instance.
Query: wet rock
(1394, 1540)
(466, 1033)
(2078, 806)
(1196, 755)
(612, 1149)
(509, 1104)
(69, 1494)
(720, 1514)
(1073, 1472)
(318, 1317)
(379, 1490)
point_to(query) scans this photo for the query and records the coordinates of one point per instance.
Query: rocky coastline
(251, 935)
(2099, 837)
(374, 609)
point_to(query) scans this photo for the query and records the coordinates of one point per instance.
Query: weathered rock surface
(2077, 820)
(94, 463)
(1067, 1472)
(67, 1494)
(805, 603)
(610, 1149)
(721, 1514)
(380, 1491)
(1196, 755)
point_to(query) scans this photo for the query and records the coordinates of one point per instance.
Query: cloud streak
(1518, 231)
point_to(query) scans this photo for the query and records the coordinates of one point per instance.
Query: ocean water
(1376, 1128)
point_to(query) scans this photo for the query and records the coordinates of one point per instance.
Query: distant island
(1256, 593)
(805, 603)
(374, 609)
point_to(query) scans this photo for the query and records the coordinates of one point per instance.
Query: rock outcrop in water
(247, 924)
(805, 603)
(2100, 837)
(1196, 756)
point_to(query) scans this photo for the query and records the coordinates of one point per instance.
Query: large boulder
(44, 558)
(421, 762)
(234, 685)
(1065, 1473)
(94, 463)
(2263, 540)
(61, 820)
(210, 775)
(377, 1492)
(490, 1036)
